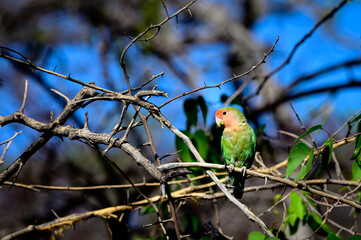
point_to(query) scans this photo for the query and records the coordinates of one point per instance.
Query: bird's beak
(219, 122)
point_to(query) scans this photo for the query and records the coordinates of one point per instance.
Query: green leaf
(314, 221)
(201, 142)
(358, 117)
(358, 159)
(296, 212)
(292, 219)
(149, 11)
(306, 168)
(186, 222)
(293, 228)
(322, 125)
(224, 98)
(354, 237)
(276, 198)
(191, 223)
(356, 171)
(190, 109)
(195, 223)
(202, 104)
(272, 238)
(256, 236)
(358, 130)
(146, 210)
(333, 236)
(329, 148)
(298, 153)
(356, 154)
(326, 156)
(184, 154)
(311, 130)
(297, 206)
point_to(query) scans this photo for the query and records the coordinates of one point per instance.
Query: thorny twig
(303, 126)
(225, 81)
(300, 42)
(156, 26)
(42, 140)
(28, 63)
(6, 148)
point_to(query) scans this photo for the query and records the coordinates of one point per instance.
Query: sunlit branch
(303, 185)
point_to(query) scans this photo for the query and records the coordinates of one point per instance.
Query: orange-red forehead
(220, 112)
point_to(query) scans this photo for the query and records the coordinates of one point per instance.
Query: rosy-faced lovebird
(238, 145)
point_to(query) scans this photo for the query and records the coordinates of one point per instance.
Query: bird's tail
(238, 182)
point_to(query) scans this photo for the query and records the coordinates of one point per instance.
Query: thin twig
(225, 81)
(313, 209)
(25, 96)
(10, 139)
(45, 137)
(346, 123)
(338, 143)
(303, 126)
(146, 83)
(300, 42)
(60, 94)
(135, 187)
(157, 26)
(31, 65)
(304, 185)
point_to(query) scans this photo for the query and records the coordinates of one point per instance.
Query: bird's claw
(230, 168)
(244, 170)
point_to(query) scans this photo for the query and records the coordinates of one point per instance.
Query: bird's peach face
(221, 117)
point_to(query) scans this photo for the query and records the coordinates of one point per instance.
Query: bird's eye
(224, 113)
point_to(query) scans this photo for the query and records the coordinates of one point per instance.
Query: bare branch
(286, 98)
(228, 80)
(60, 94)
(25, 96)
(303, 127)
(157, 26)
(346, 123)
(10, 139)
(304, 185)
(301, 41)
(42, 140)
(29, 64)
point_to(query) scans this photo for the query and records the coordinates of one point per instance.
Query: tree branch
(69, 109)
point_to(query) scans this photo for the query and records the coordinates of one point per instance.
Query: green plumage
(238, 144)
(238, 148)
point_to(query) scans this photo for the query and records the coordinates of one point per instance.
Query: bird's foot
(230, 168)
(244, 170)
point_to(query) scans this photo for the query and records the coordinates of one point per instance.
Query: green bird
(238, 145)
